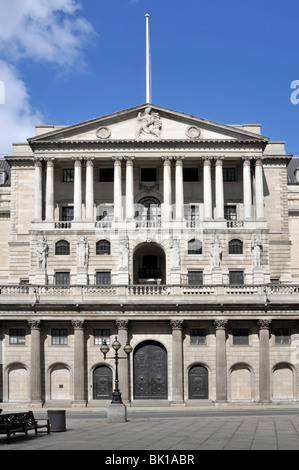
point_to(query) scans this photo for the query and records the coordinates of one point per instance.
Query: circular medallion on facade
(103, 133)
(193, 132)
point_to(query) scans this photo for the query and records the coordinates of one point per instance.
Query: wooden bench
(12, 423)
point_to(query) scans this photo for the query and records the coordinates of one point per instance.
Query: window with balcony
(103, 278)
(67, 213)
(240, 336)
(230, 212)
(194, 278)
(62, 278)
(236, 277)
(103, 247)
(235, 247)
(17, 336)
(101, 335)
(59, 336)
(282, 336)
(194, 247)
(62, 247)
(198, 336)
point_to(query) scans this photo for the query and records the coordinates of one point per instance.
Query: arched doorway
(60, 382)
(102, 383)
(198, 383)
(150, 371)
(149, 264)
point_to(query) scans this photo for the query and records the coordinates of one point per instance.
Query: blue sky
(67, 61)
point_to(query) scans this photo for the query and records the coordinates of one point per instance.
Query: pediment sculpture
(148, 123)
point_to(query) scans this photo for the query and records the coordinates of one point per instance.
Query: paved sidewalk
(91, 431)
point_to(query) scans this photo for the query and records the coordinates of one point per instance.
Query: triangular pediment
(148, 122)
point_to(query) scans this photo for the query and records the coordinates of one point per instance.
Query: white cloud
(38, 30)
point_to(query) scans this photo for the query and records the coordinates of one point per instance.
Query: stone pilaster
(123, 365)
(79, 356)
(35, 364)
(221, 367)
(177, 362)
(259, 189)
(264, 360)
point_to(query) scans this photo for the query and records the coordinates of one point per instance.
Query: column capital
(176, 324)
(78, 324)
(89, 161)
(220, 324)
(77, 161)
(117, 160)
(258, 161)
(179, 160)
(129, 159)
(122, 324)
(247, 159)
(50, 161)
(264, 323)
(38, 161)
(34, 324)
(207, 160)
(219, 160)
(166, 159)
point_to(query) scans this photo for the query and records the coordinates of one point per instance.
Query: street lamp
(116, 395)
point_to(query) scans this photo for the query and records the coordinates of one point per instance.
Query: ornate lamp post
(117, 410)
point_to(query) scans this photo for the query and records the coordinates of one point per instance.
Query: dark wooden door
(150, 371)
(198, 382)
(102, 383)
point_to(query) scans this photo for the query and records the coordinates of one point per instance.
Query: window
(68, 175)
(106, 175)
(240, 336)
(282, 336)
(230, 212)
(194, 247)
(198, 336)
(67, 213)
(62, 248)
(2, 177)
(62, 278)
(236, 277)
(229, 174)
(17, 336)
(190, 174)
(148, 174)
(103, 278)
(59, 336)
(194, 278)
(101, 335)
(235, 247)
(103, 247)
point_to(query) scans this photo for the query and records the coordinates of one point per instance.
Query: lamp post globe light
(117, 411)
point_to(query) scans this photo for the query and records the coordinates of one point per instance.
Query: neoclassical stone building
(172, 232)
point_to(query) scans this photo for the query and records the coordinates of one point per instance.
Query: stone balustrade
(224, 294)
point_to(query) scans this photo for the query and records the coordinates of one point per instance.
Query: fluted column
(89, 196)
(221, 373)
(179, 188)
(35, 363)
(177, 361)
(38, 193)
(219, 188)
(50, 190)
(78, 189)
(264, 360)
(247, 196)
(130, 213)
(123, 365)
(167, 198)
(117, 188)
(259, 189)
(79, 355)
(207, 188)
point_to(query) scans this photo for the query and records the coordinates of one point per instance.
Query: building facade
(174, 233)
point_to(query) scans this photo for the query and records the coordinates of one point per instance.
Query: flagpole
(148, 72)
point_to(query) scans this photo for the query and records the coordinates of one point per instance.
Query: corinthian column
(167, 200)
(38, 194)
(129, 188)
(89, 197)
(207, 189)
(247, 188)
(117, 188)
(264, 360)
(123, 366)
(219, 188)
(259, 189)
(79, 393)
(221, 380)
(35, 363)
(179, 188)
(78, 189)
(50, 189)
